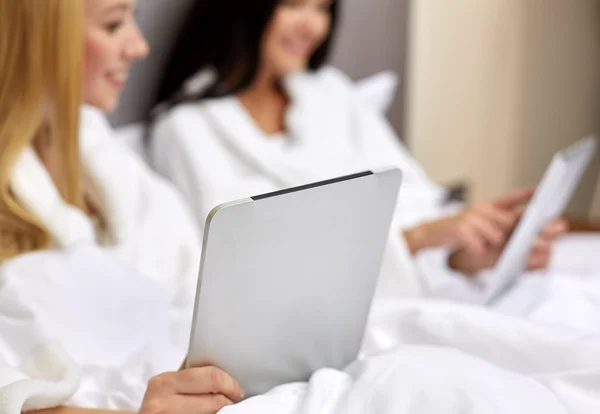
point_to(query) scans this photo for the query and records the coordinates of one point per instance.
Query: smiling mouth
(118, 79)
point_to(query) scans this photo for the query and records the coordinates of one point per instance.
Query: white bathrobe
(116, 312)
(214, 152)
(88, 324)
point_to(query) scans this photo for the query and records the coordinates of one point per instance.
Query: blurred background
(489, 89)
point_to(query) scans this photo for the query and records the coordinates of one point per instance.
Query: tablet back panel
(287, 279)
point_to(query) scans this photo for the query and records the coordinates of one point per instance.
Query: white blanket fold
(45, 379)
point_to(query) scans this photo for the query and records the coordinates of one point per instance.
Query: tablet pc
(287, 279)
(548, 202)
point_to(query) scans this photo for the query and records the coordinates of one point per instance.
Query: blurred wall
(373, 37)
(497, 86)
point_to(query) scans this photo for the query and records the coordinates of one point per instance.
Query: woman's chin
(106, 105)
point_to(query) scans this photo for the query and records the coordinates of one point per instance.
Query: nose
(137, 47)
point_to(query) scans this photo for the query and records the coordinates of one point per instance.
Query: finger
(538, 261)
(515, 198)
(470, 240)
(542, 245)
(487, 230)
(555, 228)
(502, 218)
(518, 211)
(200, 404)
(208, 380)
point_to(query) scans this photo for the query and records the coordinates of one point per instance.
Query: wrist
(416, 239)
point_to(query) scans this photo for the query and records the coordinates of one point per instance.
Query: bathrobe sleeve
(184, 150)
(78, 327)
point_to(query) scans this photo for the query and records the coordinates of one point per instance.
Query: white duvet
(107, 329)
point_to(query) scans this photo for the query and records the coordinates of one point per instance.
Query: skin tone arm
(480, 232)
(476, 228)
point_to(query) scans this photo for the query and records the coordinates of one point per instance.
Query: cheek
(326, 28)
(270, 50)
(278, 28)
(95, 56)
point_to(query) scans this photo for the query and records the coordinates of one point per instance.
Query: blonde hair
(41, 80)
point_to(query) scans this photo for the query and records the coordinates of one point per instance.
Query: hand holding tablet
(548, 202)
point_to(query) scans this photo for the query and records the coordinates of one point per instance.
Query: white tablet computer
(550, 199)
(287, 279)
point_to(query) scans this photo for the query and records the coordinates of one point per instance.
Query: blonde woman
(98, 260)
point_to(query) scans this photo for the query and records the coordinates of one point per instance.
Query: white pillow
(378, 90)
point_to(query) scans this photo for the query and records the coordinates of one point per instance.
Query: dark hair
(225, 36)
